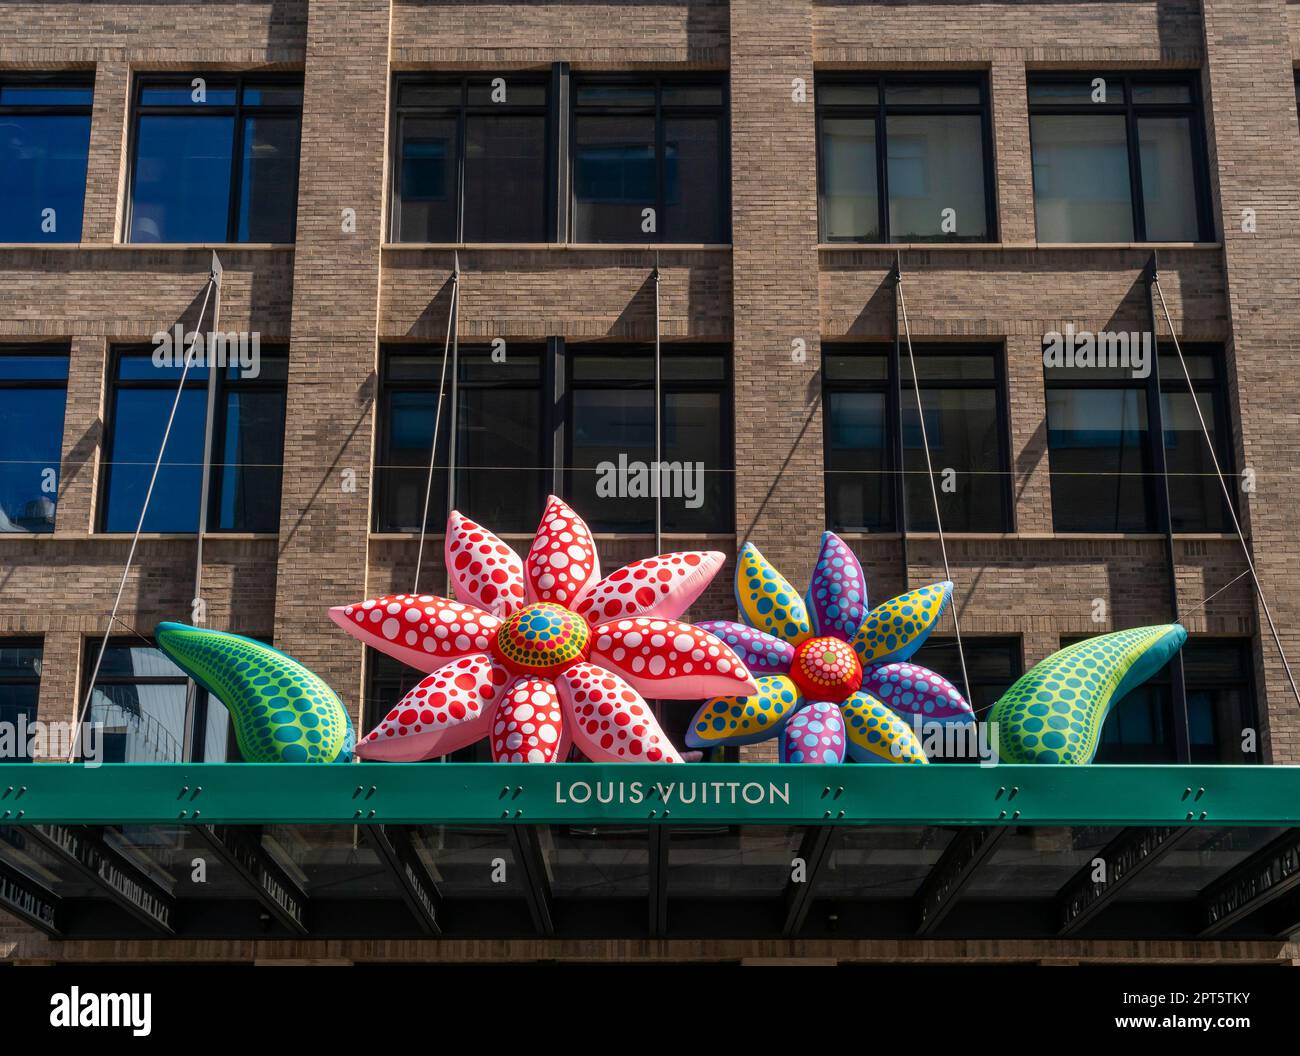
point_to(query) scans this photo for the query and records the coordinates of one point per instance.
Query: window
(472, 160)
(387, 682)
(904, 159)
(610, 450)
(962, 393)
(502, 468)
(1118, 158)
(1101, 447)
(1141, 727)
(33, 391)
(992, 665)
(147, 711)
(20, 689)
(44, 142)
(248, 445)
(650, 144)
(215, 159)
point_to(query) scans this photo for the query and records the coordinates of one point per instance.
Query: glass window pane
(268, 188)
(1097, 447)
(1140, 728)
(184, 95)
(42, 176)
(402, 477)
(139, 419)
(1196, 502)
(1080, 91)
(964, 435)
(429, 95)
(1168, 184)
(622, 367)
(932, 94)
(936, 164)
(273, 95)
(614, 177)
(697, 484)
(602, 95)
(180, 188)
(31, 445)
(692, 95)
(850, 199)
(956, 367)
(517, 93)
(20, 673)
(20, 367)
(881, 861)
(499, 478)
(692, 183)
(427, 180)
(848, 94)
(141, 722)
(1082, 191)
(505, 178)
(609, 424)
(248, 499)
(602, 862)
(1162, 93)
(38, 94)
(859, 490)
(854, 366)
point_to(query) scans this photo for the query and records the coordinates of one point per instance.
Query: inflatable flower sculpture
(544, 653)
(833, 677)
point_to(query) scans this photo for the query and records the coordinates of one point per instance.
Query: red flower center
(826, 669)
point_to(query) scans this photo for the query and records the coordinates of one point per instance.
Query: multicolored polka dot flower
(541, 654)
(833, 677)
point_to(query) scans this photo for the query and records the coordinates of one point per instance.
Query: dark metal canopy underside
(628, 851)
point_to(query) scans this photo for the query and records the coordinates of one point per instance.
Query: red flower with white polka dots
(541, 654)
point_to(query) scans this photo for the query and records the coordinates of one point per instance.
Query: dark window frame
(895, 389)
(237, 111)
(387, 385)
(225, 384)
(725, 388)
(659, 111)
(460, 112)
(1174, 384)
(1193, 110)
(879, 114)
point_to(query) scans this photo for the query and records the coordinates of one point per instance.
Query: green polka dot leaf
(282, 712)
(1055, 711)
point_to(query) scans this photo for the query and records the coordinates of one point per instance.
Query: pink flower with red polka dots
(541, 654)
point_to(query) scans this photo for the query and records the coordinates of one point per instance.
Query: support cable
(437, 422)
(1227, 493)
(144, 511)
(929, 465)
(659, 472)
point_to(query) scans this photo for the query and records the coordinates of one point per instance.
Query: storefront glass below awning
(699, 851)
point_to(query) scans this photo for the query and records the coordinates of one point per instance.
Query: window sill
(563, 247)
(1007, 247)
(1036, 537)
(261, 247)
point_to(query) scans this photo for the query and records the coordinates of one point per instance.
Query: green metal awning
(473, 850)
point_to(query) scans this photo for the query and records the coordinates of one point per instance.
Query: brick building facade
(335, 296)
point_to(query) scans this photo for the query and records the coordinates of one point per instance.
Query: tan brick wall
(335, 296)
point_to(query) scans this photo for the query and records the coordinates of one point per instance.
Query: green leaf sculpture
(283, 713)
(1055, 711)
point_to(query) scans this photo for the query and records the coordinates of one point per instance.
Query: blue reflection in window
(139, 419)
(42, 176)
(180, 190)
(33, 392)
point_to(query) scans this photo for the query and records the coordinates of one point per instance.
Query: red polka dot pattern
(609, 720)
(484, 571)
(451, 708)
(663, 586)
(421, 631)
(528, 727)
(562, 563)
(665, 658)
